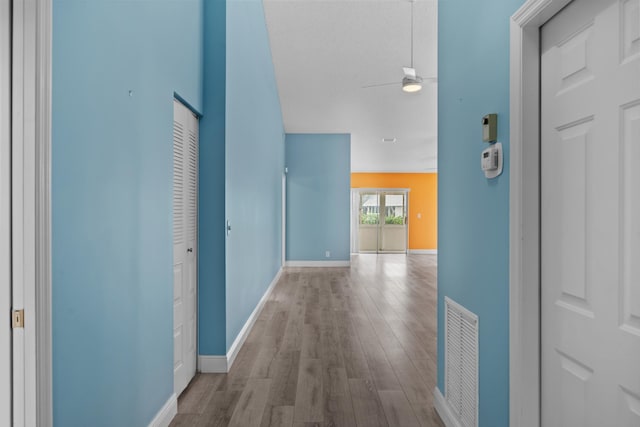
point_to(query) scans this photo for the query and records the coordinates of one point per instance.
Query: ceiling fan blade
(380, 85)
(429, 79)
(409, 72)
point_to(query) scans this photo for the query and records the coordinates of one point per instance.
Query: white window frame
(524, 210)
(31, 213)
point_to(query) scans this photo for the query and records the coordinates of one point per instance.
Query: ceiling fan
(411, 82)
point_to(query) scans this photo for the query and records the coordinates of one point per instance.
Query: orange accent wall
(423, 201)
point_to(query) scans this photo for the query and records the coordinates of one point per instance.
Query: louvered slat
(461, 363)
(178, 182)
(192, 185)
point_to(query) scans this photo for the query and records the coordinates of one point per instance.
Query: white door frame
(5, 210)
(354, 221)
(31, 215)
(284, 218)
(524, 211)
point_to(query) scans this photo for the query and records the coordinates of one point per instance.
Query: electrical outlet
(327, 254)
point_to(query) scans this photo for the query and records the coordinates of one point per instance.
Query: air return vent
(461, 363)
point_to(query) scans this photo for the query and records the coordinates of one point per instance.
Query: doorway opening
(380, 220)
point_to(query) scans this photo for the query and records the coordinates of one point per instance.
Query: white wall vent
(461, 363)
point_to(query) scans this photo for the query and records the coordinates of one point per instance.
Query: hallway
(332, 347)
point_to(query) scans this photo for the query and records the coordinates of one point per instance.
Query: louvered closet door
(185, 232)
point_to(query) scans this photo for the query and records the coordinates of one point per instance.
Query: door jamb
(6, 390)
(284, 219)
(524, 210)
(31, 172)
(354, 221)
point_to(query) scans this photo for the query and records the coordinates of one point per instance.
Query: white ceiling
(325, 51)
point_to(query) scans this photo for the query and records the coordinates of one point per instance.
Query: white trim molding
(524, 211)
(166, 414)
(422, 251)
(378, 189)
(212, 364)
(222, 364)
(44, 340)
(427, 170)
(443, 409)
(5, 212)
(318, 264)
(246, 329)
(31, 213)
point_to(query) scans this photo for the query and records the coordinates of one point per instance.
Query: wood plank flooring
(332, 347)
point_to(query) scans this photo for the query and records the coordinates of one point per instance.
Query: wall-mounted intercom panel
(490, 128)
(491, 160)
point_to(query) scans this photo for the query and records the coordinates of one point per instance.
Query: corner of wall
(212, 251)
(473, 45)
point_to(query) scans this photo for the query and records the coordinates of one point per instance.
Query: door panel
(179, 248)
(369, 221)
(185, 232)
(630, 227)
(590, 129)
(192, 242)
(393, 228)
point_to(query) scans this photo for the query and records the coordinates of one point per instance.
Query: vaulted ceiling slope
(325, 51)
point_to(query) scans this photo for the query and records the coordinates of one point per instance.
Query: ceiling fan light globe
(411, 85)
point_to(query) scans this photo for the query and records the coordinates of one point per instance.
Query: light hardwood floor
(332, 347)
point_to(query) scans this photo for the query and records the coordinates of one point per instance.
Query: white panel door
(5, 212)
(590, 201)
(368, 222)
(185, 232)
(393, 227)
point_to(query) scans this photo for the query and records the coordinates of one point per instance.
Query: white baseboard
(318, 263)
(212, 364)
(442, 408)
(222, 364)
(422, 251)
(246, 329)
(167, 412)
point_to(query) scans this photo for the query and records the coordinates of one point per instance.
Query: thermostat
(491, 160)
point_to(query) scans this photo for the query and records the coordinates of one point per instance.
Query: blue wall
(211, 215)
(318, 196)
(242, 161)
(473, 225)
(111, 202)
(255, 163)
